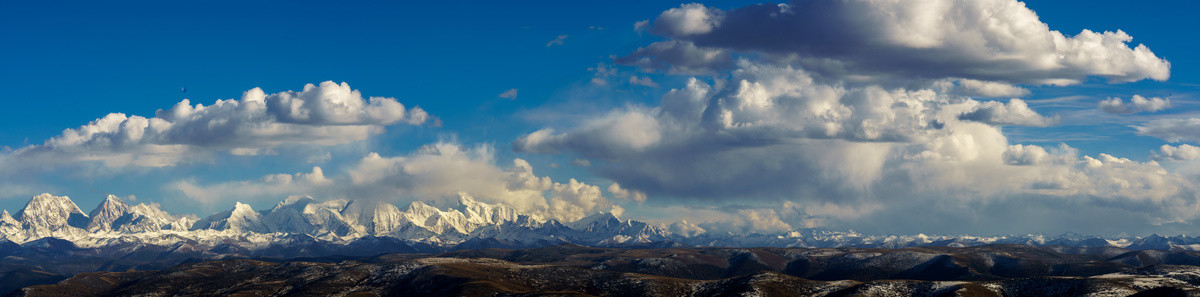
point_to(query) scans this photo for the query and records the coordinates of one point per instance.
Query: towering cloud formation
(991, 40)
(437, 172)
(856, 111)
(325, 114)
(443, 170)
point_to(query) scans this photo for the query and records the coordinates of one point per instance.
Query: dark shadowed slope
(1001, 270)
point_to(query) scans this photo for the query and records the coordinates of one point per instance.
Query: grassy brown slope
(583, 271)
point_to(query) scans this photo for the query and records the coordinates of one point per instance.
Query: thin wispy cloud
(560, 40)
(510, 94)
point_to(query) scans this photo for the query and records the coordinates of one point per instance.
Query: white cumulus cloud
(1015, 112)
(687, 19)
(858, 155)
(441, 171)
(990, 40)
(1182, 152)
(1136, 104)
(1173, 129)
(621, 193)
(322, 115)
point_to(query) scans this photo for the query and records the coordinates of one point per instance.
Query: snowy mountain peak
(115, 215)
(241, 218)
(465, 199)
(418, 206)
(375, 217)
(294, 201)
(242, 208)
(418, 211)
(609, 229)
(334, 220)
(470, 224)
(106, 213)
(52, 212)
(6, 217)
(602, 220)
(304, 215)
(481, 213)
(461, 219)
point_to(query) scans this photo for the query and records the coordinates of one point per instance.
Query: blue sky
(67, 64)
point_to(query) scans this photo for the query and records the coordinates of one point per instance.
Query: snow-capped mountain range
(466, 224)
